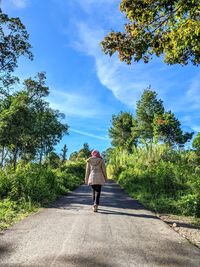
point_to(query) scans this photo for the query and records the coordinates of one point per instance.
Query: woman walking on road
(95, 176)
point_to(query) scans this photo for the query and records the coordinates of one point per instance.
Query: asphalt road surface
(69, 233)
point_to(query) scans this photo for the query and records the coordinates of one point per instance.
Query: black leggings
(96, 193)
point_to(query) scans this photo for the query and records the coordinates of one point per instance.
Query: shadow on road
(184, 225)
(170, 254)
(112, 196)
(5, 248)
(81, 261)
(105, 211)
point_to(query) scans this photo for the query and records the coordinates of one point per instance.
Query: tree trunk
(15, 158)
(2, 156)
(41, 153)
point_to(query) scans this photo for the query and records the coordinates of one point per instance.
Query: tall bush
(163, 178)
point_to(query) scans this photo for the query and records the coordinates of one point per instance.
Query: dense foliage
(33, 185)
(29, 128)
(123, 133)
(82, 154)
(163, 179)
(196, 143)
(154, 27)
(151, 123)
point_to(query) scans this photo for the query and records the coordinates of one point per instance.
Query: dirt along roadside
(187, 227)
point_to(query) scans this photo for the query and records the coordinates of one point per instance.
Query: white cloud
(19, 3)
(196, 128)
(89, 5)
(86, 31)
(193, 94)
(90, 134)
(125, 82)
(188, 100)
(193, 121)
(74, 104)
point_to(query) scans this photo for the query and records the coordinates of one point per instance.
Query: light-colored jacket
(95, 171)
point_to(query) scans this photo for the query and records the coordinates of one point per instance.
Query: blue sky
(87, 85)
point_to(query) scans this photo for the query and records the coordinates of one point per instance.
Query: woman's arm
(87, 173)
(103, 166)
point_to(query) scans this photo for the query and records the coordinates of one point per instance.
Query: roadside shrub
(35, 182)
(162, 178)
(33, 185)
(5, 184)
(40, 183)
(187, 204)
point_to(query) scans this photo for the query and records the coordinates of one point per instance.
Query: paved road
(69, 233)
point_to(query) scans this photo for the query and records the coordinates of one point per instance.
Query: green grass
(12, 211)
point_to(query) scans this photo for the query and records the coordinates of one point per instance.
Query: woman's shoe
(95, 208)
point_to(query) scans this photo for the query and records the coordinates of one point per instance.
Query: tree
(107, 154)
(167, 129)
(15, 126)
(147, 107)
(53, 160)
(64, 153)
(123, 131)
(196, 143)
(36, 87)
(73, 156)
(28, 126)
(47, 128)
(13, 44)
(184, 138)
(156, 27)
(151, 123)
(84, 152)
